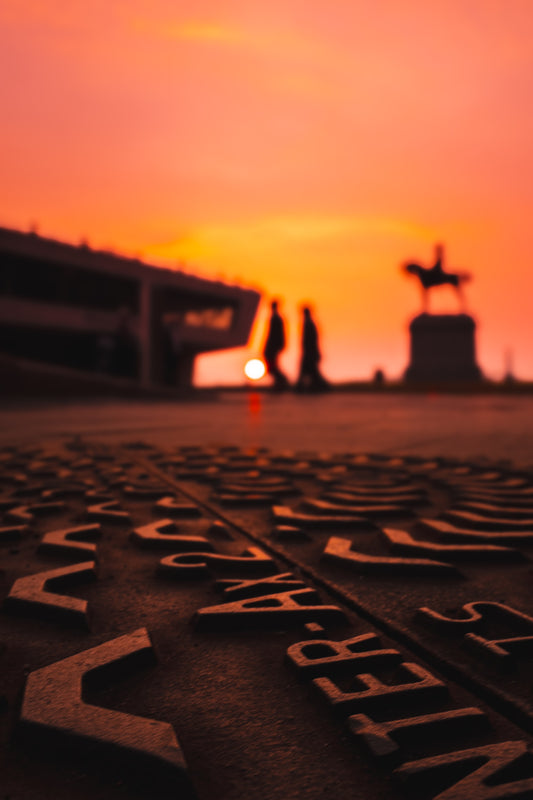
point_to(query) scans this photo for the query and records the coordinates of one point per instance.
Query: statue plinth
(442, 348)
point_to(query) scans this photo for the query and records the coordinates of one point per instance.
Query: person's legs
(317, 380)
(280, 379)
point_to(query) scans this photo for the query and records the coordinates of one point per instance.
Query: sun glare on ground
(254, 369)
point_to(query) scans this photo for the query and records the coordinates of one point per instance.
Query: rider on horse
(436, 276)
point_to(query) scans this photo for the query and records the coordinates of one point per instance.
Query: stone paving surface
(460, 426)
(238, 621)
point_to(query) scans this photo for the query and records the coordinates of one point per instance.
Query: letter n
(475, 773)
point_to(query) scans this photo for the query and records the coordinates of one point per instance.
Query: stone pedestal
(442, 348)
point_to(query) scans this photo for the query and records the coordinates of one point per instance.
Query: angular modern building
(98, 312)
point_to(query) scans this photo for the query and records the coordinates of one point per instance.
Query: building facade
(98, 312)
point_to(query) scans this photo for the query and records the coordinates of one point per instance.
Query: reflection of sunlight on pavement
(254, 418)
(254, 369)
(254, 404)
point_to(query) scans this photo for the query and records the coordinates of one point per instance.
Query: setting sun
(254, 369)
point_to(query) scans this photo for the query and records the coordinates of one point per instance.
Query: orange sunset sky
(303, 147)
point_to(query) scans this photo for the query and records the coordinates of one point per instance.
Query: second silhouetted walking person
(310, 377)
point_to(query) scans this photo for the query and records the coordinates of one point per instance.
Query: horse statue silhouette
(430, 277)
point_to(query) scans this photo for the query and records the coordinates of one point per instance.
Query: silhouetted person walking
(275, 343)
(310, 378)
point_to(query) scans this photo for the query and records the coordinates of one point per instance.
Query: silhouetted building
(96, 311)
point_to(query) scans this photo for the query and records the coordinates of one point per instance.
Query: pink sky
(305, 148)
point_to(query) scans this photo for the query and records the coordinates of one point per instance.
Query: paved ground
(260, 598)
(496, 426)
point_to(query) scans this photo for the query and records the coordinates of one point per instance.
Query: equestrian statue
(436, 276)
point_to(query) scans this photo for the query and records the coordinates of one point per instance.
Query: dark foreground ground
(267, 597)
